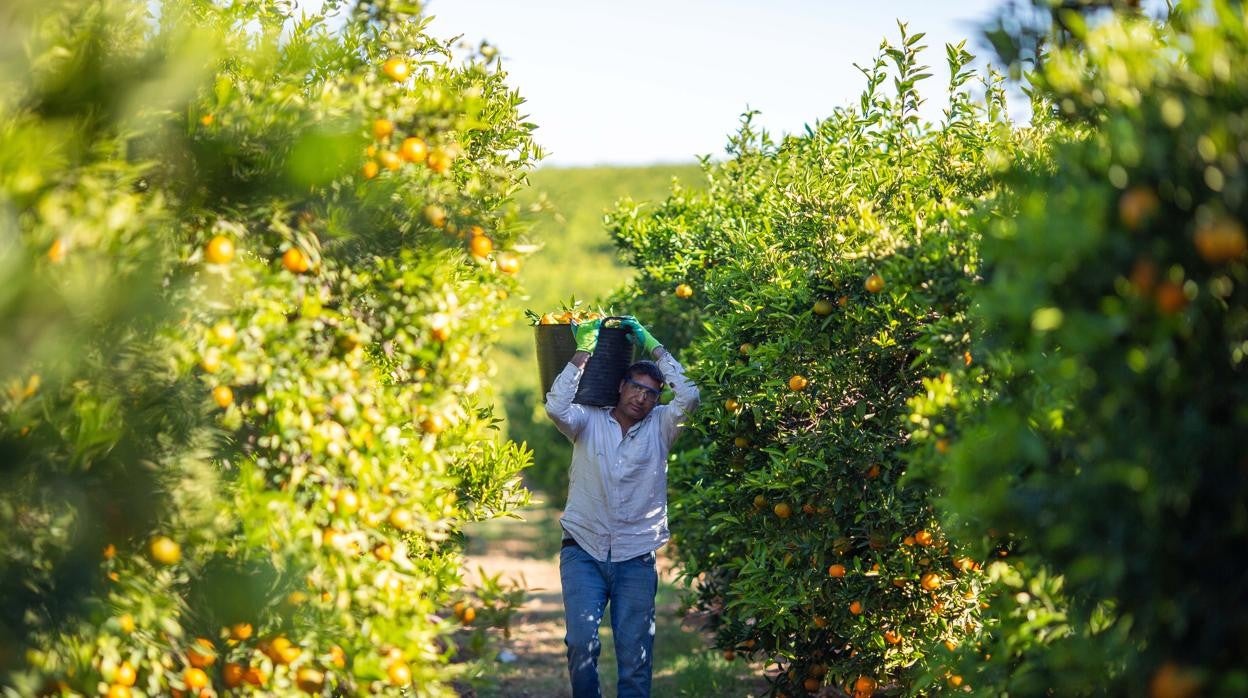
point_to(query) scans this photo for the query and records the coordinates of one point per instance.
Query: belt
(568, 542)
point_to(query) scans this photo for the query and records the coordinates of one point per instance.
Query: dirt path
(527, 551)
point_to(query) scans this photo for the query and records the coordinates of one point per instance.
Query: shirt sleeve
(684, 402)
(568, 417)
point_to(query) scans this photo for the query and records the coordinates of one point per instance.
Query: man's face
(638, 395)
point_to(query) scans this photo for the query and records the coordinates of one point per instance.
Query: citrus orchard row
(250, 408)
(972, 390)
(1100, 427)
(812, 283)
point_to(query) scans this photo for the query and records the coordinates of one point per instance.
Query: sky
(664, 81)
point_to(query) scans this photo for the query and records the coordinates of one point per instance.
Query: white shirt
(617, 490)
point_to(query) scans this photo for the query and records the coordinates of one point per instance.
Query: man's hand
(639, 335)
(586, 335)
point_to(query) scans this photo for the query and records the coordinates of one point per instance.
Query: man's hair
(647, 368)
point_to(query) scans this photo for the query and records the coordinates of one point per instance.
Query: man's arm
(686, 396)
(567, 416)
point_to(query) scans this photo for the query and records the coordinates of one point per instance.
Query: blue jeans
(629, 586)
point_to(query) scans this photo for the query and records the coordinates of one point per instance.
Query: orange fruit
(1173, 681)
(195, 678)
(223, 396)
(370, 169)
(783, 510)
(745, 349)
(759, 501)
(433, 424)
(401, 519)
(811, 684)
(837, 570)
(684, 291)
(219, 250)
(207, 119)
(1143, 276)
(891, 637)
(390, 160)
(125, 675)
(436, 215)
(730, 655)
(874, 471)
(508, 263)
(440, 330)
(798, 383)
(295, 261)
(310, 680)
(930, 581)
(337, 657)
(1221, 240)
(254, 676)
(126, 621)
(399, 673)
(481, 246)
(864, 684)
(396, 69)
(1136, 205)
(383, 551)
(955, 680)
(284, 651)
(1170, 297)
(347, 502)
(233, 674)
(240, 631)
(741, 442)
(965, 564)
(382, 128)
(731, 405)
(223, 333)
(201, 654)
(439, 161)
(57, 250)
(923, 537)
(118, 691)
(822, 306)
(855, 608)
(414, 149)
(165, 551)
(469, 615)
(874, 283)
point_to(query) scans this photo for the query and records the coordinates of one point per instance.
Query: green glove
(586, 334)
(639, 335)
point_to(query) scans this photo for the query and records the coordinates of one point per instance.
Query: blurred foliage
(1103, 428)
(577, 261)
(251, 267)
(810, 289)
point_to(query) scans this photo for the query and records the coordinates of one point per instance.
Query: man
(616, 515)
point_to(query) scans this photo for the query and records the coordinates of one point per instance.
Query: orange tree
(1103, 429)
(815, 282)
(251, 265)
